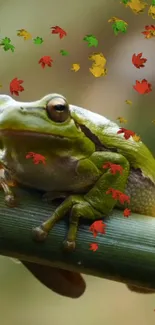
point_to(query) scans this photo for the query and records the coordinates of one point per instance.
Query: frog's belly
(58, 176)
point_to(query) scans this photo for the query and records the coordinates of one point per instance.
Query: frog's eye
(58, 109)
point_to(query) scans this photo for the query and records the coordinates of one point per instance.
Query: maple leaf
(91, 39)
(126, 212)
(149, 31)
(75, 67)
(15, 86)
(64, 53)
(114, 168)
(121, 119)
(124, 198)
(137, 6)
(98, 71)
(24, 33)
(113, 19)
(45, 60)
(129, 102)
(38, 40)
(118, 195)
(6, 43)
(37, 158)
(93, 247)
(97, 227)
(136, 138)
(138, 61)
(127, 133)
(59, 30)
(98, 59)
(143, 87)
(151, 11)
(119, 26)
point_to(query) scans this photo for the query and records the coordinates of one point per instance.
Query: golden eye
(58, 109)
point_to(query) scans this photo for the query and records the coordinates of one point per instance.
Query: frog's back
(105, 130)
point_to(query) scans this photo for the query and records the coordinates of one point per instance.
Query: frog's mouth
(25, 133)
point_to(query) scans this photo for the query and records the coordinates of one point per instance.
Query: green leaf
(64, 52)
(38, 40)
(6, 43)
(119, 26)
(92, 40)
(153, 3)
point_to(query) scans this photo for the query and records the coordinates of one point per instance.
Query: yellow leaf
(129, 102)
(114, 19)
(137, 6)
(75, 67)
(23, 33)
(98, 71)
(121, 119)
(151, 12)
(98, 58)
(136, 138)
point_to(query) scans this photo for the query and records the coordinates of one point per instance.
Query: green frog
(76, 144)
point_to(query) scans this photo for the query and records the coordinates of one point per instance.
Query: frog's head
(50, 115)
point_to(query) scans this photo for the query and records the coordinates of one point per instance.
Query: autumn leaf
(45, 61)
(93, 247)
(118, 195)
(136, 138)
(38, 40)
(114, 19)
(58, 30)
(75, 67)
(114, 168)
(37, 158)
(143, 87)
(98, 71)
(98, 59)
(121, 119)
(149, 31)
(6, 44)
(119, 26)
(137, 6)
(15, 86)
(24, 33)
(64, 52)
(127, 133)
(129, 102)
(97, 227)
(138, 61)
(126, 212)
(91, 40)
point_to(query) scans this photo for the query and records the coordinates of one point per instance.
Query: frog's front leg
(93, 205)
(6, 183)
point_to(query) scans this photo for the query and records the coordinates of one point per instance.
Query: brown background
(23, 300)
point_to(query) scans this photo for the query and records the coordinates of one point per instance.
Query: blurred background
(23, 300)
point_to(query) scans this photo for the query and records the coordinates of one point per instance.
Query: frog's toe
(10, 201)
(69, 245)
(39, 234)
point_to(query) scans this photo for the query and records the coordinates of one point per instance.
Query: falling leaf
(98, 59)
(121, 119)
(58, 30)
(97, 227)
(37, 158)
(118, 25)
(75, 67)
(136, 138)
(93, 247)
(137, 6)
(151, 11)
(113, 19)
(143, 87)
(126, 212)
(114, 168)
(64, 53)
(127, 133)
(45, 61)
(98, 71)
(149, 31)
(15, 86)
(38, 40)
(138, 61)
(129, 102)
(6, 44)
(24, 33)
(91, 40)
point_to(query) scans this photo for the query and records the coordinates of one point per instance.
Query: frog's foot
(69, 245)
(39, 233)
(10, 200)
(9, 196)
(51, 196)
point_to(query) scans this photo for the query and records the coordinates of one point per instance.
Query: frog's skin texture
(76, 144)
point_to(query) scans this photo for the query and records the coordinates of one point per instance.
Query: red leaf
(138, 61)
(37, 158)
(46, 60)
(93, 247)
(143, 87)
(126, 212)
(124, 198)
(59, 30)
(149, 31)
(97, 227)
(114, 168)
(118, 195)
(15, 86)
(127, 133)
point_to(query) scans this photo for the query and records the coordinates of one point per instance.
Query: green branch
(126, 252)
